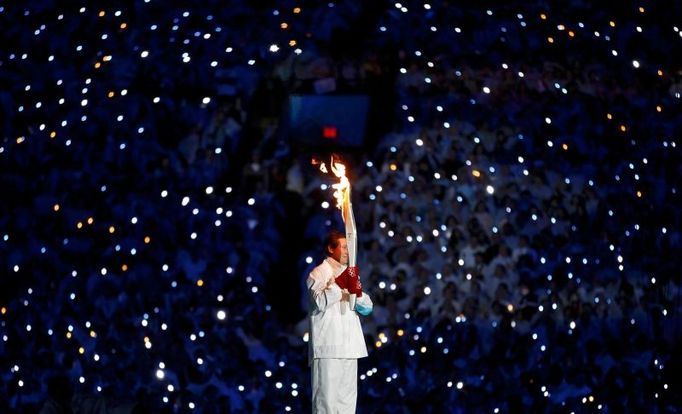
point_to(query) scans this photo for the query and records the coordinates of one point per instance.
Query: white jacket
(335, 330)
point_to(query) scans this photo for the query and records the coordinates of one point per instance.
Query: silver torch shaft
(351, 236)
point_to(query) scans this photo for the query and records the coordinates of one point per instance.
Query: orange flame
(342, 188)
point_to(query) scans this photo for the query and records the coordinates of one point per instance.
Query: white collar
(336, 266)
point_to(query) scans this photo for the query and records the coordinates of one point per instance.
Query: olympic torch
(342, 193)
(343, 202)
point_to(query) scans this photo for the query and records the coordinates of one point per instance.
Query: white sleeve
(321, 295)
(364, 304)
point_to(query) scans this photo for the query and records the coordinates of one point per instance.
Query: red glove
(353, 280)
(349, 279)
(342, 280)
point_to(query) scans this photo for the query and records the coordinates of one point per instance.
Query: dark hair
(332, 240)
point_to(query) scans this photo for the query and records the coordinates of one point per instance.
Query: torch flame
(323, 167)
(342, 188)
(343, 203)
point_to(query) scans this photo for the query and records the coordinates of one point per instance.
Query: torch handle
(351, 233)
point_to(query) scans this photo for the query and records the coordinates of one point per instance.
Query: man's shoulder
(320, 269)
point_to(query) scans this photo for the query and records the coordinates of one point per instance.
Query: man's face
(340, 253)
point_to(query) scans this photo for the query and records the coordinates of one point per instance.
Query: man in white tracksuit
(336, 338)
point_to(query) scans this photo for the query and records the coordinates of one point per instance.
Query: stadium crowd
(516, 200)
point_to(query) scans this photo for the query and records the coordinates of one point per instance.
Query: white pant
(335, 386)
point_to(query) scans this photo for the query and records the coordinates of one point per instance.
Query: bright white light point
(185, 201)
(548, 120)
(160, 374)
(460, 385)
(278, 385)
(209, 190)
(489, 189)
(200, 361)
(206, 100)
(274, 48)
(251, 201)
(221, 315)
(325, 204)
(170, 388)
(572, 324)
(103, 271)
(635, 64)
(193, 235)
(427, 290)
(191, 405)
(144, 54)
(268, 374)
(486, 89)
(309, 260)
